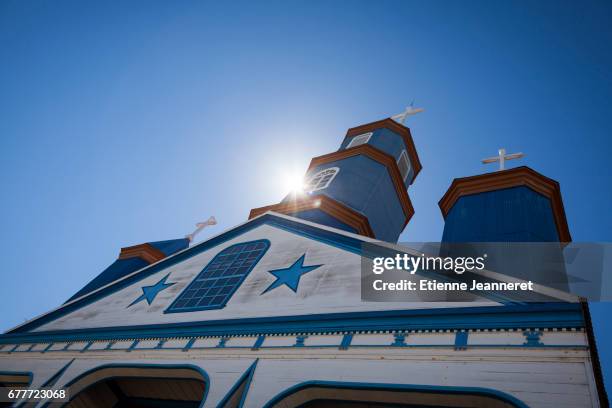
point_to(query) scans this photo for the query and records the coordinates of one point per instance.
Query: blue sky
(127, 122)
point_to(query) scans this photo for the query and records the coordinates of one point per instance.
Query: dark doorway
(138, 388)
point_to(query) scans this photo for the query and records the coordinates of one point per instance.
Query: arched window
(320, 180)
(404, 164)
(215, 285)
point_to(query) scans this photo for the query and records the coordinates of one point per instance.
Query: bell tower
(519, 206)
(363, 186)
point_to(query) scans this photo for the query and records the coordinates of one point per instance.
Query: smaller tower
(518, 205)
(132, 259)
(362, 187)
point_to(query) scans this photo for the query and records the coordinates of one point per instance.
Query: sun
(293, 182)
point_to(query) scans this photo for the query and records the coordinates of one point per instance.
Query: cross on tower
(502, 157)
(410, 110)
(200, 226)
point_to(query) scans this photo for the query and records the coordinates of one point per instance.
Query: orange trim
(328, 205)
(379, 156)
(146, 252)
(519, 176)
(403, 131)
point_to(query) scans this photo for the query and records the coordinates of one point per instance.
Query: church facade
(269, 313)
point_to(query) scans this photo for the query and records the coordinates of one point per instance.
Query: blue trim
(246, 376)
(258, 342)
(51, 381)
(133, 345)
(474, 346)
(328, 237)
(461, 338)
(434, 389)
(199, 369)
(449, 345)
(411, 346)
(532, 338)
(334, 239)
(532, 315)
(399, 339)
(247, 386)
(189, 344)
(87, 346)
(346, 341)
(299, 341)
(222, 342)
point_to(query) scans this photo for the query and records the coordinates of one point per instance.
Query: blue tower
(518, 205)
(362, 187)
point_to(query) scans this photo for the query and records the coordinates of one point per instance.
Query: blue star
(290, 276)
(149, 292)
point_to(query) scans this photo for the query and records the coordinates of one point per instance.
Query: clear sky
(127, 122)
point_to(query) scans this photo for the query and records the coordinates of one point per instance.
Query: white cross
(410, 110)
(200, 226)
(502, 157)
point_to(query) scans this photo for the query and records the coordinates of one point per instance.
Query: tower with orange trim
(362, 187)
(519, 206)
(515, 205)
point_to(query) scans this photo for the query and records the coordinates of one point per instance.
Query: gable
(306, 270)
(333, 287)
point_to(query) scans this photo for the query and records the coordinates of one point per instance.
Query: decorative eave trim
(519, 176)
(381, 157)
(536, 316)
(393, 126)
(321, 202)
(146, 252)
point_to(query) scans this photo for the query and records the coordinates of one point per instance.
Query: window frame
(404, 154)
(353, 138)
(318, 186)
(228, 296)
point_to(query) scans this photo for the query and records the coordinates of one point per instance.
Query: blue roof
(123, 267)
(171, 246)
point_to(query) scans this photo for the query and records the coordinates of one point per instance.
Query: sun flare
(293, 182)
